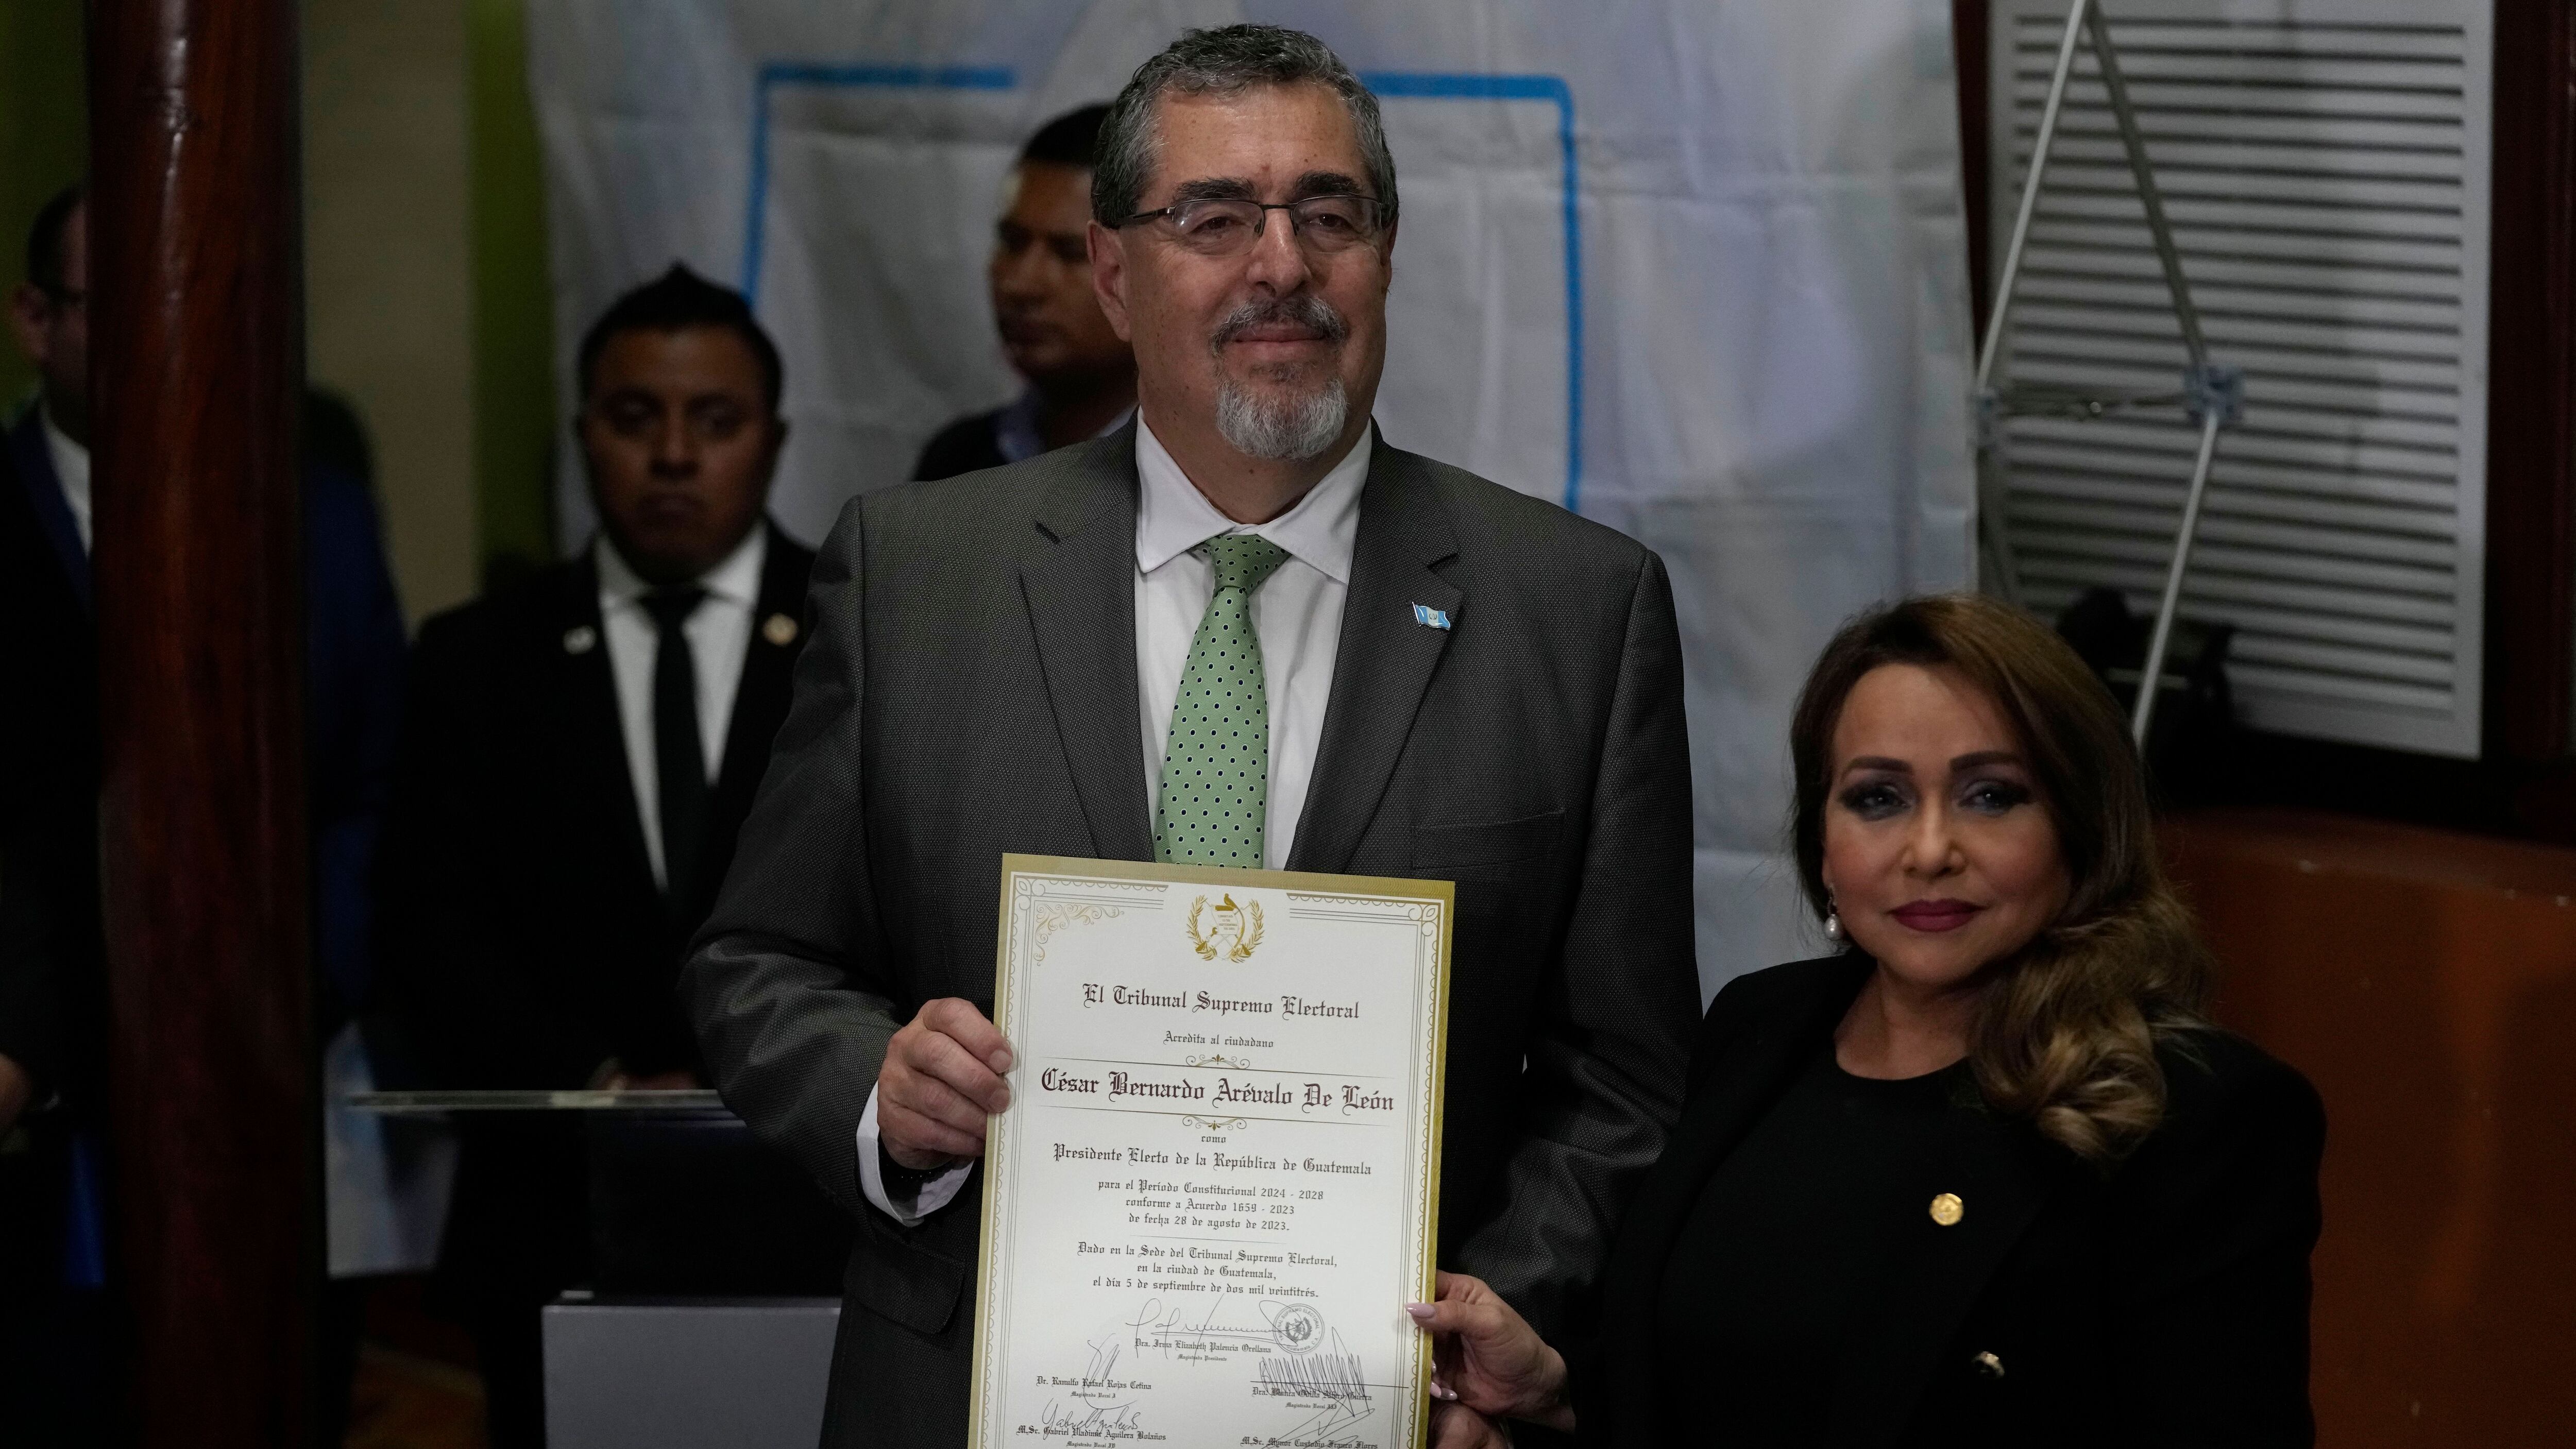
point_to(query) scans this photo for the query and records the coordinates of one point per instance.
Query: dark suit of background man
(1081, 377)
(54, 1174)
(1462, 684)
(580, 750)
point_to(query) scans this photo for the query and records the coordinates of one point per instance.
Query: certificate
(1216, 1185)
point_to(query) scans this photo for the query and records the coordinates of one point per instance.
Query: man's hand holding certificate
(1243, 631)
(1215, 1187)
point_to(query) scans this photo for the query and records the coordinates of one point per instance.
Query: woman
(1986, 1176)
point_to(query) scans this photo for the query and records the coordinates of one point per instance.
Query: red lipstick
(1935, 915)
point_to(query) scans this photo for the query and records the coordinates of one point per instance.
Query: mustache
(1304, 310)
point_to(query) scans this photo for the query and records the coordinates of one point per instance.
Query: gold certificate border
(989, 1330)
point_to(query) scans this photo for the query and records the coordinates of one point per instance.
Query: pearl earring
(1833, 922)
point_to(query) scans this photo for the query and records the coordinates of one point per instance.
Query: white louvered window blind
(2325, 166)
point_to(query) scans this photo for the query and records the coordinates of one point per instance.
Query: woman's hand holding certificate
(1216, 1185)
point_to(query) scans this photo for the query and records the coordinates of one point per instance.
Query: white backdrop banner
(1693, 268)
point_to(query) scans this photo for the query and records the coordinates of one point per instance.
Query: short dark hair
(1069, 139)
(45, 238)
(1226, 61)
(677, 299)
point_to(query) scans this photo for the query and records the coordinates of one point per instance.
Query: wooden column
(197, 366)
(2531, 394)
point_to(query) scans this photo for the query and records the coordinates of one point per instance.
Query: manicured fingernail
(1440, 1390)
(1421, 1312)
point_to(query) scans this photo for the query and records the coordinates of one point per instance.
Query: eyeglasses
(1225, 228)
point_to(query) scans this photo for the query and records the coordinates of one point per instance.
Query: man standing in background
(578, 754)
(53, 1053)
(51, 754)
(1081, 377)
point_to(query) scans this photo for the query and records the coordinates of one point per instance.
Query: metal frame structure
(2212, 395)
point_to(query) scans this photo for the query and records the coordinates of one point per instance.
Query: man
(48, 881)
(52, 1307)
(579, 752)
(1081, 377)
(1460, 683)
(52, 745)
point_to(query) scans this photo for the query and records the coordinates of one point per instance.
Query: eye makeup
(1885, 788)
(1875, 799)
(1992, 795)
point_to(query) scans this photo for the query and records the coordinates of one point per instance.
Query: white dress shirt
(719, 635)
(71, 470)
(1297, 614)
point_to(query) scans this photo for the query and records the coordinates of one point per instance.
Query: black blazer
(970, 689)
(521, 935)
(2164, 1304)
(967, 445)
(51, 1002)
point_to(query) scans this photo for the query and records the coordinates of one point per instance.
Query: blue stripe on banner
(1406, 85)
(791, 73)
(1409, 85)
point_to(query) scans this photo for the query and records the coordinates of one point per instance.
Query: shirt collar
(1173, 516)
(70, 459)
(59, 441)
(71, 473)
(736, 579)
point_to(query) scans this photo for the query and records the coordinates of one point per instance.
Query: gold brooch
(1947, 1209)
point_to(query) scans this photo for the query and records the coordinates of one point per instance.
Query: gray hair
(1226, 61)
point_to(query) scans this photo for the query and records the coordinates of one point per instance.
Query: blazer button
(779, 629)
(580, 638)
(1947, 1209)
(1989, 1365)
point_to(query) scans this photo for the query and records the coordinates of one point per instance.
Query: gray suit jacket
(968, 687)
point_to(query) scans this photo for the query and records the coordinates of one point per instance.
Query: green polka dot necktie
(1216, 768)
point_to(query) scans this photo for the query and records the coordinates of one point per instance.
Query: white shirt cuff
(935, 1194)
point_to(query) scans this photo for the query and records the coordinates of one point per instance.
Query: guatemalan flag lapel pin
(1429, 617)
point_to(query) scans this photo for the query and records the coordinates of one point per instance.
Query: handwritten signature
(1333, 1374)
(1108, 1420)
(1317, 1375)
(1155, 1326)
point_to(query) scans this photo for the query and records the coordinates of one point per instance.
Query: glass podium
(536, 1100)
(716, 1273)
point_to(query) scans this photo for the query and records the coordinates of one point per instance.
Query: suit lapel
(1999, 1172)
(760, 703)
(595, 736)
(1385, 659)
(1754, 1068)
(1078, 578)
(35, 466)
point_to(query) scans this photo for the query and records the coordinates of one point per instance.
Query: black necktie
(677, 758)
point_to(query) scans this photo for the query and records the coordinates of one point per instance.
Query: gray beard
(1284, 430)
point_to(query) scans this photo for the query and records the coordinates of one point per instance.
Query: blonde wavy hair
(2065, 1034)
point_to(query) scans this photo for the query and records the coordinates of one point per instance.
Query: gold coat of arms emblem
(1224, 929)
